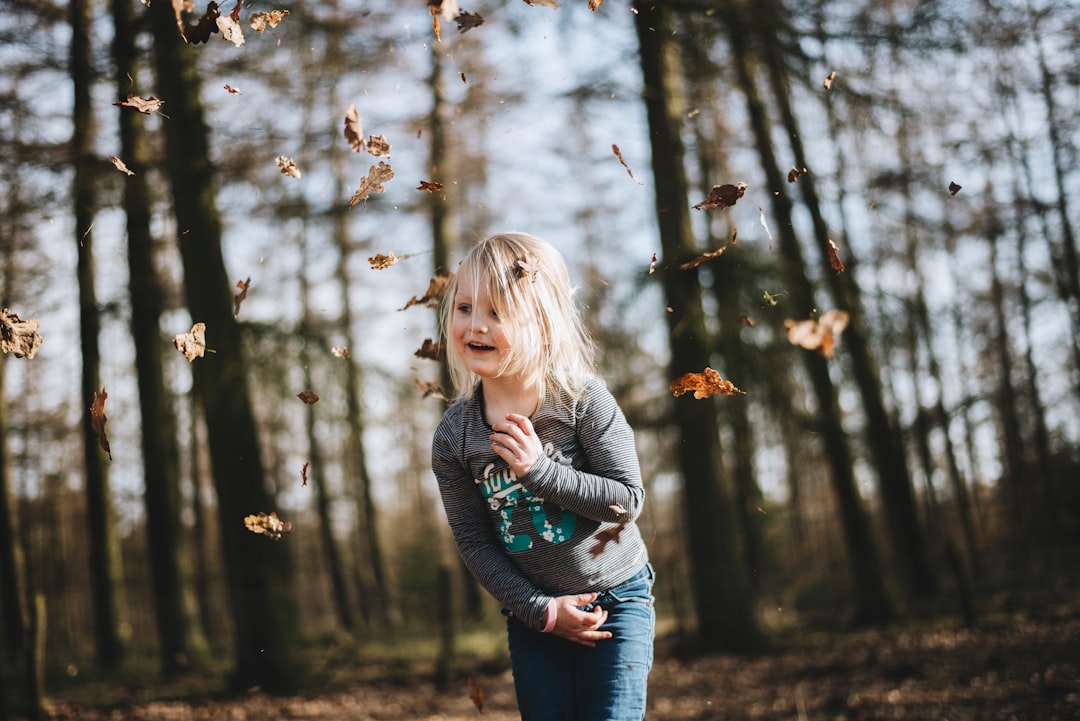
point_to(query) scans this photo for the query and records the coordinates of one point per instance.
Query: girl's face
(479, 337)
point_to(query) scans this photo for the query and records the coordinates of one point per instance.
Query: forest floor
(1022, 668)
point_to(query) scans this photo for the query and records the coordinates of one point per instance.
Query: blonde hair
(530, 291)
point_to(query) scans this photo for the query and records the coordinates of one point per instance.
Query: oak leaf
(431, 350)
(259, 21)
(230, 28)
(704, 385)
(98, 419)
(378, 146)
(817, 334)
(354, 132)
(435, 291)
(309, 397)
(193, 343)
(18, 337)
(268, 525)
(288, 167)
(382, 262)
(143, 105)
(430, 186)
(722, 196)
(372, 183)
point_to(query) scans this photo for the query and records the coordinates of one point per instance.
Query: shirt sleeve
(475, 538)
(611, 474)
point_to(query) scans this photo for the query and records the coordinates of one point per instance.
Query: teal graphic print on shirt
(504, 494)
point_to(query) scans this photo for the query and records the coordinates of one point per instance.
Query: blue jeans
(559, 680)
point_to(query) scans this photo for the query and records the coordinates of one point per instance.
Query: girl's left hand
(515, 441)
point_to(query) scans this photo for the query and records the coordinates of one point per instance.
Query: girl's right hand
(577, 625)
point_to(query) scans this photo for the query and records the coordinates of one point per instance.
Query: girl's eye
(464, 308)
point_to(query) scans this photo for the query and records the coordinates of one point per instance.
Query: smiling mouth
(480, 347)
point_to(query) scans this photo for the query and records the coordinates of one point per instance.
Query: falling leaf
(372, 183)
(953, 188)
(607, 535)
(340, 351)
(431, 187)
(463, 77)
(287, 166)
(231, 89)
(303, 475)
(206, 25)
(354, 133)
(230, 29)
(18, 337)
(377, 146)
(267, 525)
(309, 397)
(259, 21)
(545, 3)
(382, 262)
(477, 695)
(435, 291)
(618, 154)
(761, 219)
(834, 258)
(710, 255)
(795, 173)
(773, 298)
(143, 105)
(243, 285)
(747, 321)
(829, 80)
(703, 384)
(722, 196)
(119, 165)
(446, 9)
(431, 350)
(594, 4)
(467, 21)
(433, 389)
(817, 334)
(652, 264)
(98, 419)
(193, 343)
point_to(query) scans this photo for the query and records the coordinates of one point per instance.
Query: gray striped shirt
(528, 539)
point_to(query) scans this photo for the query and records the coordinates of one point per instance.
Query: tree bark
(725, 617)
(259, 572)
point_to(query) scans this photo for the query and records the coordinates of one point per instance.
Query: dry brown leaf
(747, 321)
(710, 255)
(354, 132)
(829, 80)
(477, 695)
(143, 105)
(372, 183)
(98, 419)
(433, 389)
(206, 25)
(704, 384)
(119, 165)
(18, 337)
(309, 397)
(954, 188)
(618, 154)
(446, 9)
(382, 262)
(435, 291)
(243, 285)
(467, 21)
(817, 334)
(232, 90)
(834, 258)
(230, 28)
(303, 475)
(430, 186)
(795, 173)
(287, 166)
(259, 21)
(193, 343)
(267, 525)
(722, 196)
(772, 299)
(340, 352)
(431, 350)
(545, 3)
(595, 4)
(377, 146)
(652, 264)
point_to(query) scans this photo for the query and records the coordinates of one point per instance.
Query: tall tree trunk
(179, 642)
(259, 572)
(873, 603)
(882, 433)
(12, 560)
(725, 615)
(105, 567)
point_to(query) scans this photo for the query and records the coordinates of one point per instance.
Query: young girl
(540, 481)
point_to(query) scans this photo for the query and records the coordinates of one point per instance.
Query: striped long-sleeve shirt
(528, 539)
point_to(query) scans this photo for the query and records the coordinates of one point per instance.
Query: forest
(828, 249)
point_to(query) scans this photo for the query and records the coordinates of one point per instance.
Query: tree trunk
(105, 566)
(179, 642)
(873, 604)
(259, 571)
(725, 617)
(12, 560)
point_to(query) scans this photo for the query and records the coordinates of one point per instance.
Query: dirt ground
(1023, 669)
